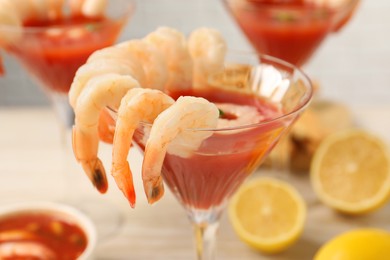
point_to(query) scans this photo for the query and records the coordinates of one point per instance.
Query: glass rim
(302, 105)
(126, 11)
(348, 5)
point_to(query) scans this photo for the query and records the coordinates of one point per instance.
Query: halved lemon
(362, 244)
(350, 172)
(267, 214)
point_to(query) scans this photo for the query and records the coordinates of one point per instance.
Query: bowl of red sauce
(45, 230)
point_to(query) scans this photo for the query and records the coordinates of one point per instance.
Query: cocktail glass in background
(52, 50)
(291, 30)
(204, 180)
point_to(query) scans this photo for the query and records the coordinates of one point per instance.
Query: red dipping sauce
(52, 51)
(40, 235)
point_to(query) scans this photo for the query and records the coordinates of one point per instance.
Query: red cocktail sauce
(54, 55)
(61, 237)
(290, 30)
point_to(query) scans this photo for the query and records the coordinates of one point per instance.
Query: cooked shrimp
(175, 131)
(172, 45)
(99, 67)
(138, 105)
(89, 8)
(153, 62)
(25, 250)
(100, 91)
(151, 67)
(122, 56)
(207, 48)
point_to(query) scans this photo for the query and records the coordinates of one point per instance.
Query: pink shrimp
(138, 105)
(101, 91)
(173, 124)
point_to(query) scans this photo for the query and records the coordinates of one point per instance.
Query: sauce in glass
(52, 51)
(290, 30)
(209, 176)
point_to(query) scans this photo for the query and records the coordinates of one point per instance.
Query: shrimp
(101, 91)
(153, 62)
(37, 9)
(207, 48)
(100, 67)
(138, 105)
(175, 131)
(172, 45)
(89, 8)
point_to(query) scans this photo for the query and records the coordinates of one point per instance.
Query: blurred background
(352, 66)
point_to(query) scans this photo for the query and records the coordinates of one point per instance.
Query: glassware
(291, 30)
(204, 181)
(51, 51)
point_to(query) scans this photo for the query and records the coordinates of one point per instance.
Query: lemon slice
(363, 244)
(350, 172)
(267, 214)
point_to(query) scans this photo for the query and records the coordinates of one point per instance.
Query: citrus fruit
(362, 244)
(350, 171)
(267, 214)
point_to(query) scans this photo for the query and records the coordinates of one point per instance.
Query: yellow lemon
(267, 214)
(360, 244)
(350, 172)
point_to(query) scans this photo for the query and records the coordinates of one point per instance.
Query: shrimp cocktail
(204, 117)
(291, 29)
(52, 38)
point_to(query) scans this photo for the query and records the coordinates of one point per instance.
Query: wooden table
(34, 166)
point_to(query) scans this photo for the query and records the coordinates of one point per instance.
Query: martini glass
(204, 181)
(291, 30)
(52, 51)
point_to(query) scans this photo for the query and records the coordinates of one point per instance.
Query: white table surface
(33, 166)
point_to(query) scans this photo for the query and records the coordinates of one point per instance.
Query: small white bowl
(66, 212)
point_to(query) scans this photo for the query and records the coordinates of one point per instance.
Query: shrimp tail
(154, 189)
(151, 173)
(124, 179)
(93, 167)
(96, 173)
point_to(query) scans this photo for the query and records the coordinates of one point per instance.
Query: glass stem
(205, 237)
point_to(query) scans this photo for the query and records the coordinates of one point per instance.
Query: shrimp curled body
(101, 91)
(172, 44)
(138, 105)
(174, 131)
(207, 48)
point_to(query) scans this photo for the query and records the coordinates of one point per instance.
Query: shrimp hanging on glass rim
(100, 92)
(138, 105)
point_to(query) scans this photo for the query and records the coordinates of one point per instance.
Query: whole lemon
(360, 244)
